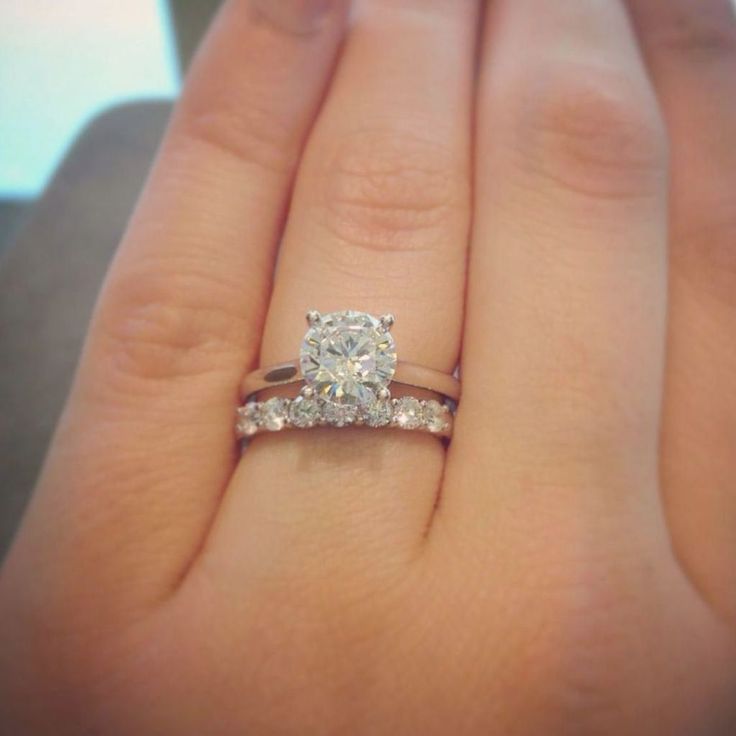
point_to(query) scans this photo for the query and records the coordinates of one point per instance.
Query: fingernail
(295, 16)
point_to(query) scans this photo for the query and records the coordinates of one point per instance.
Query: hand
(567, 565)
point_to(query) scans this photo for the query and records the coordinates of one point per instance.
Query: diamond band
(276, 414)
(347, 363)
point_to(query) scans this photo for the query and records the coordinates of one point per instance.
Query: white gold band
(406, 374)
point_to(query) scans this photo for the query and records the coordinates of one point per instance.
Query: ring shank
(406, 374)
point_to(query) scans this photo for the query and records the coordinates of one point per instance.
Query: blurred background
(64, 63)
(86, 87)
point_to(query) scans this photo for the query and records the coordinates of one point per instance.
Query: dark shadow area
(12, 212)
(49, 279)
(190, 19)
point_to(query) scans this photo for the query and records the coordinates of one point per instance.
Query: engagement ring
(346, 366)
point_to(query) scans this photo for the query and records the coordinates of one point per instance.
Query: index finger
(145, 444)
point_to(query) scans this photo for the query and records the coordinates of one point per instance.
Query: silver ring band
(406, 374)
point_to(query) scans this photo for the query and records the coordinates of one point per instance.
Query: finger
(378, 223)
(691, 49)
(562, 356)
(145, 445)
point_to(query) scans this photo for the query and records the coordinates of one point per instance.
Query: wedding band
(346, 364)
(276, 414)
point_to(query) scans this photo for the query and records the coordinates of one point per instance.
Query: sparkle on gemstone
(247, 424)
(407, 413)
(378, 414)
(435, 416)
(304, 412)
(274, 413)
(339, 415)
(347, 357)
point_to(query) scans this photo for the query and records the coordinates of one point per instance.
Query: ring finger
(378, 223)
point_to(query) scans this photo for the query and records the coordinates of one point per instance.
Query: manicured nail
(295, 16)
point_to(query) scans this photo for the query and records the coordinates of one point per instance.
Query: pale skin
(543, 192)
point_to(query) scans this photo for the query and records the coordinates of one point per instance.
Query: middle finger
(564, 342)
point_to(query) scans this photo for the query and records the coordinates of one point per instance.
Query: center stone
(347, 357)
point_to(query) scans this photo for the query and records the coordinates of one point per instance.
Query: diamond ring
(346, 364)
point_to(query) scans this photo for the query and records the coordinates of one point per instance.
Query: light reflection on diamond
(347, 357)
(378, 414)
(274, 413)
(304, 412)
(339, 415)
(408, 413)
(247, 423)
(436, 416)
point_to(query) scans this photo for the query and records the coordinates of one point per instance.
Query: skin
(567, 566)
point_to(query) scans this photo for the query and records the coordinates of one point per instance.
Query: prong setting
(313, 317)
(387, 320)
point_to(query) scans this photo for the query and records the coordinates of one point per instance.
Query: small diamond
(304, 412)
(247, 423)
(436, 416)
(407, 413)
(339, 415)
(378, 414)
(274, 413)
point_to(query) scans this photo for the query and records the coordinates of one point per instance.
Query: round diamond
(436, 416)
(247, 424)
(274, 413)
(339, 415)
(378, 414)
(304, 412)
(347, 357)
(408, 413)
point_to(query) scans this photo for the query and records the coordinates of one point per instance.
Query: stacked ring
(347, 363)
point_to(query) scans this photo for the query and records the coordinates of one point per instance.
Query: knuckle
(575, 613)
(250, 134)
(591, 611)
(707, 256)
(697, 33)
(592, 131)
(392, 192)
(160, 326)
